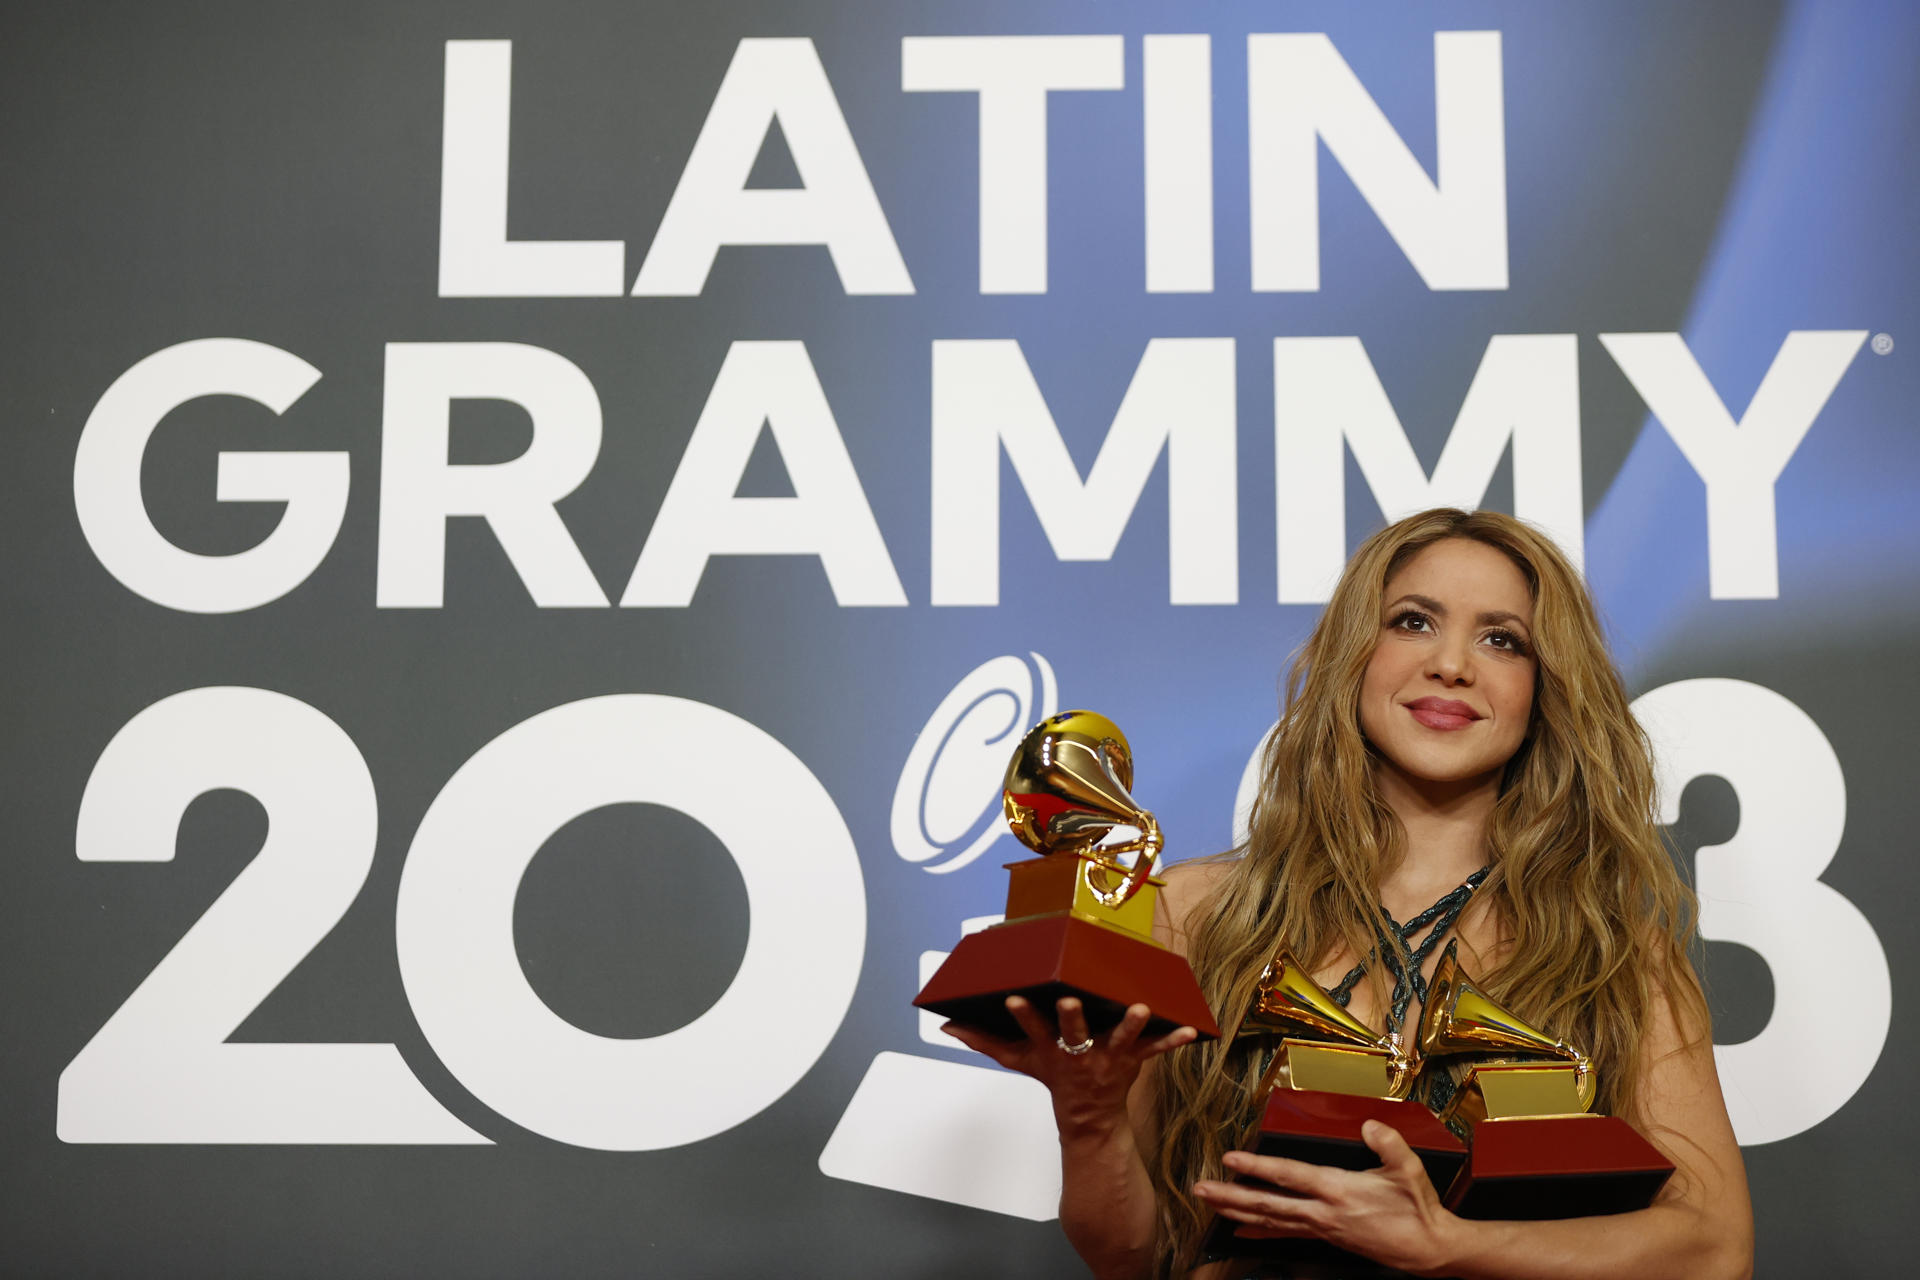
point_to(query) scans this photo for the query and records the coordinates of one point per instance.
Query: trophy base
(1046, 958)
(1324, 1128)
(1557, 1167)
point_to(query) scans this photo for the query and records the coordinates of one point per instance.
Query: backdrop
(532, 529)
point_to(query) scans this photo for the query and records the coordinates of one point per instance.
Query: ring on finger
(1074, 1050)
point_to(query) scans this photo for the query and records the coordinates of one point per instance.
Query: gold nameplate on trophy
(1524, 1103)
(1504, 1090)
(1079, 919)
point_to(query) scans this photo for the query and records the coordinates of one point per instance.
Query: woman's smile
(1442, 714)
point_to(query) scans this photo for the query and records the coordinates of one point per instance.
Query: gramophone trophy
(1079, 922)
(1522, 1100)
(1329, 1075)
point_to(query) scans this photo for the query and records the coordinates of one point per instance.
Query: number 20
(160, 1071)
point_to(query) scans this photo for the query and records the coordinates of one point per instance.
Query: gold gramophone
(1516, 1070)
(1522, 1099)
(1322, 1046)
(1329, 1075)
(1079, 922)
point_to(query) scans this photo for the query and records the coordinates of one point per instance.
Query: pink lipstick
(1442, 713)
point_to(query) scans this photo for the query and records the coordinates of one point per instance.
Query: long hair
(1587, 898)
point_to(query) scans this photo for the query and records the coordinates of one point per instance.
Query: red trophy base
(1324, 1128)
(1557, 1167)
(1043, 959)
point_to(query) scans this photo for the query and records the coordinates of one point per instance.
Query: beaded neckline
(1408, 981)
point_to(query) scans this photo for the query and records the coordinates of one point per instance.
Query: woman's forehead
(1464, 573)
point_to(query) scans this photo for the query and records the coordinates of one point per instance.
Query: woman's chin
(1429, 771)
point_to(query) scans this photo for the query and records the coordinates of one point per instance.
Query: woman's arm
(1702, 1223)
(1107, 1207)
(1700, 1228)
(1106, 1201)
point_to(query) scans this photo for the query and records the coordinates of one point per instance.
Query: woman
(1454, 710)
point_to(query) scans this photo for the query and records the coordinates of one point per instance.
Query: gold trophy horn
(1066, 789)
(1523, 1071)
(1322, 1046)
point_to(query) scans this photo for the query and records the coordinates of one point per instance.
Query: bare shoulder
(1190, 886)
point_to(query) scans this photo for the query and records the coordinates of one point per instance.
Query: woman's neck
(1446, 830)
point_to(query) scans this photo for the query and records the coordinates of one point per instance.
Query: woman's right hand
(1090, 1087)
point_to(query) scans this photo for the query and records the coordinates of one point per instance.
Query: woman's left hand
(1390, 1214)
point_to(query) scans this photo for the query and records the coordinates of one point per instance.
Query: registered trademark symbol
(1882, 343)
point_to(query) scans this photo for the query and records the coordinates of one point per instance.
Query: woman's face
(1448, 693)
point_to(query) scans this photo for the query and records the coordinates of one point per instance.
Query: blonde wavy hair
(1584, 891)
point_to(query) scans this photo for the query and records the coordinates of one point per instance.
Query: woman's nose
(1451, 663)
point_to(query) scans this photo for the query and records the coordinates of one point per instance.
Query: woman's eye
(1413, 622)
(1506, 640)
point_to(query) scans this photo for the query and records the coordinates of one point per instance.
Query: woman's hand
(1390, 1214)
(1089, 1088)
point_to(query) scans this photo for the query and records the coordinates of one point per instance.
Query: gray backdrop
(1727, 173)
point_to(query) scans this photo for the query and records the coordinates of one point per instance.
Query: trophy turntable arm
(1104, 862)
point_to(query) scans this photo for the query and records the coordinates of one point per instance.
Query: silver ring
(1074, 1049)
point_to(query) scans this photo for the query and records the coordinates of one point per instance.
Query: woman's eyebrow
(1490, 618)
